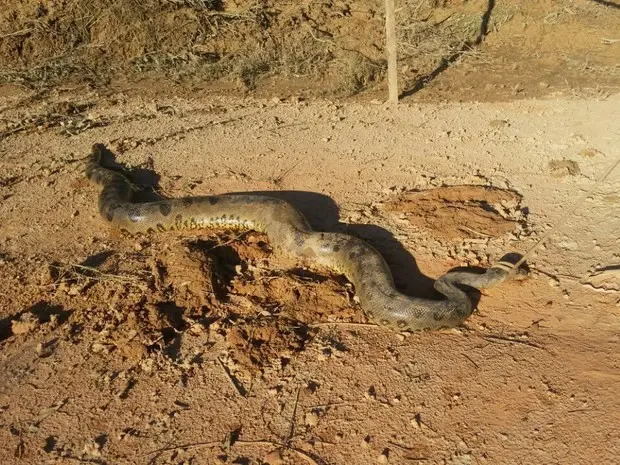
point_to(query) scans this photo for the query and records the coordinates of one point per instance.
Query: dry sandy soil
(205, 347)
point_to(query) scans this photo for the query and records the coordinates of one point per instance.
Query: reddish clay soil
(204, 347)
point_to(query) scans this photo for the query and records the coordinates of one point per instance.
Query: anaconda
(290, 233)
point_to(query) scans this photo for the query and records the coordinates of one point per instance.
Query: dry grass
(426, 33)
(98, 39)
(359, 72)
(94, 41)
(208, 40)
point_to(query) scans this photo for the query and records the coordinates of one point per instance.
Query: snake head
(508, 262)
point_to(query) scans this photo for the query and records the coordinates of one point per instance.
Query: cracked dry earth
(205, 347)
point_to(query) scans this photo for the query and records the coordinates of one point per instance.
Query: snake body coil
(290, 233)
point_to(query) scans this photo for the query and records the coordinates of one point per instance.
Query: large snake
(289, 233)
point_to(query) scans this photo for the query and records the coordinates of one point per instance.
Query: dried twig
(50, 410)
(17, 33)
(99, 275)
(343, 323)
(195, 445)
(493, 338)
(333, 405)
(234, 381)
(470, 359)
(292, 429)
(237, 238)
(278, 179)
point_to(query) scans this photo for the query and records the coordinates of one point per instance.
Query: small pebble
(312, 419)
(26, 323)
(383, 458)
(274, 458)
(92, 448)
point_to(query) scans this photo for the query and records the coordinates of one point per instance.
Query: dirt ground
(205, 347)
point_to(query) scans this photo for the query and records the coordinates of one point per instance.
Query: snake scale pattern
(289, 233)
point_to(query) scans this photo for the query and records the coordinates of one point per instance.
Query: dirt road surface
(205, 347)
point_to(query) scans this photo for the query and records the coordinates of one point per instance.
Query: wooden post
(390, 48)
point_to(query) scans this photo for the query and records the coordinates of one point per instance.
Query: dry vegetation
(332, 47)
(244, 41)
(98, 40)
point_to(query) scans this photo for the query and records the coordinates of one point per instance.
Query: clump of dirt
(460, 212)
(276, 312)
(141, 298)
(605, 280)
(563, 168)
(263, 313)
(192, 275)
